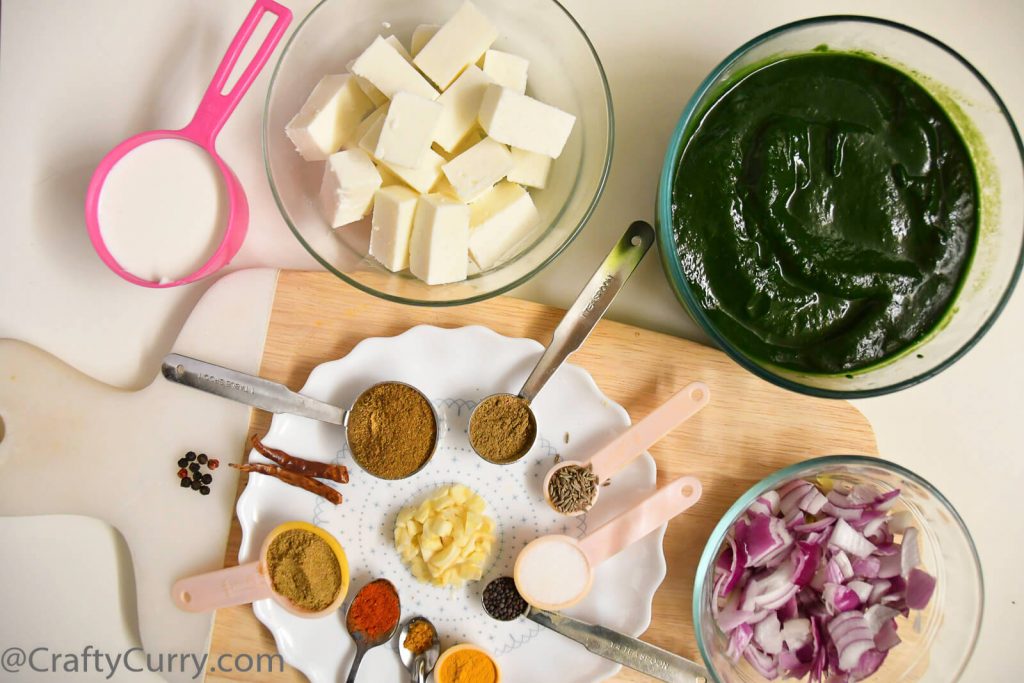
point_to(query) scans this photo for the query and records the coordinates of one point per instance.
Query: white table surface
(76, 76)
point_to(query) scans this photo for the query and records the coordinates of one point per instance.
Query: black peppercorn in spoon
(502, 601)
(577, 324)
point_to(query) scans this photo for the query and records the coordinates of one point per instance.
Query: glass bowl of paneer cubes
(437, 152)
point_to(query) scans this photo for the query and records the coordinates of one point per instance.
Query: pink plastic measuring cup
(214, 110)
(250, 582)
(558, 581)
(627, 447)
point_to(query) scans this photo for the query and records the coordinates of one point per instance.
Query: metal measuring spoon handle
(248, 389)
(618, 647)
(361, 649)
(590, 305)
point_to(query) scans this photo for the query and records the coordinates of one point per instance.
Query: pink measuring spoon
(214, 110)
(250, 582)
(628, 446)
(555, 572)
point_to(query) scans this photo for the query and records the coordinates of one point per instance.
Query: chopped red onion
(867, 567)
(862, 589)
(739, 640)
(796, 633)
(811, 584)
(886, 638)
(910, 556)
(879, 587)
(845, 537)
(920, 587)
(890, 566)
(869, 663)
(878, 615)
(764, 664)
(768, 635)
(839, 598)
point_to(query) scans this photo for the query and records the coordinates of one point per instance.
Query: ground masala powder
(375, 610)
(304, 569)
(391, 430)
(467, 666)
(420, 637)
(502, 429)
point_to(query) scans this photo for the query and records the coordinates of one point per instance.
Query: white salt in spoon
(555, 572)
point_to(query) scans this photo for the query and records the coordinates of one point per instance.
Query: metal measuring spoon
(419, 665)
(270, 396)
(576, 325)
(363, 644)
(617, 647)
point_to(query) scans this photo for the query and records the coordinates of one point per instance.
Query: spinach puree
(825, 210)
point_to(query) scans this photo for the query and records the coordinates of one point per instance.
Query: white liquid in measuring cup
(163, 210)
(552, 572)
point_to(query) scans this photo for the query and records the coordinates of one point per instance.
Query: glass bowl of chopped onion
(564, 71)
(841, 568)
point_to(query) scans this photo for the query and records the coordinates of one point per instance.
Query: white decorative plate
(455, 369)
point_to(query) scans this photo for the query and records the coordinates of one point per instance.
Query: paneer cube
(394, 209)
(523, 122)
(408, 130)
(438, 251)
(461, 102)
(399, 48)
(329, 117)
(457, 44)
(371, 121)
(421, 36)
(507, 70)
(478, 168)
(529, 168)
(388, 70)
(350, 181)
(424, 177)
(369, 89)
(499, 221)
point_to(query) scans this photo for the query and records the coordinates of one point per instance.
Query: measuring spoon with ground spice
(372, 619)
(301, 566)
(503, 427)
(419, 648)
(571, 487)
(392, 429)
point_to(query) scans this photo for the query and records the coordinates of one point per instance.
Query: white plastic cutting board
(72, 445)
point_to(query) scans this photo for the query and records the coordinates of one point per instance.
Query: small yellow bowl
(439, 676)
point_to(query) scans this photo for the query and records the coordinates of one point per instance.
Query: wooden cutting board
(750, 429)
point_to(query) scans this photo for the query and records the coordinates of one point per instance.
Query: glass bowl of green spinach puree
(841, 206)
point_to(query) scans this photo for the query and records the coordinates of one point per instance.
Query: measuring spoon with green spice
(503, 427)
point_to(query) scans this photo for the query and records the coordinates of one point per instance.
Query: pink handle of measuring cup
(640, 520)
(222, 588)
(216, 106)
(631, 443)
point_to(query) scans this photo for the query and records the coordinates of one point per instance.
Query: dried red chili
(287, 476)
(309, 468)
